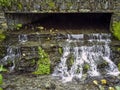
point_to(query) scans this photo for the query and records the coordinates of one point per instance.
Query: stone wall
(63, 5)
(27, 11)
(14, 12)
(2, 21)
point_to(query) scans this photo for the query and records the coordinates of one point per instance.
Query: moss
(2, 35)
(118, 49)
(86, 67)
(119, 66)
(70, 61)
(51, 4)
(1, 79)
(43, 64)
(60, 50)
(116, 30)
(7, 3)
(18, 26)
(1, 88)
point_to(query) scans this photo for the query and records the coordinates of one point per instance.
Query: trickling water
(23, 38)
(89, 48)
(13, 53)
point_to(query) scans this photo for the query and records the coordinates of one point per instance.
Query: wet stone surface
(47, 82)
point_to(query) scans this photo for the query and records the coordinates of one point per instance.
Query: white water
(22, 38)
(95, 50)
(13, 53)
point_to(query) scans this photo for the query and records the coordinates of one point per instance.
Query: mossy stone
(116, 30)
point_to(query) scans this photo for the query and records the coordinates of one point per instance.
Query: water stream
(23, 38)
(12, 54)
(91, 49)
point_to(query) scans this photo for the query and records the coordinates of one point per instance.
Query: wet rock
(26, 82)
(25, 65)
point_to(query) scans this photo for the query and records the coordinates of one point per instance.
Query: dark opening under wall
(65, 21)
(76, 21)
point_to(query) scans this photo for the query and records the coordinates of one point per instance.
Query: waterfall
(86, 48)
(12, 54)
(23, 38)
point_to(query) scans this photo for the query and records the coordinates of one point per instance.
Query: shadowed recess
(76, 20)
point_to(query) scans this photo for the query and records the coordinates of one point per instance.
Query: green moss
(1, 88)
(18, 26)
(2, 35)
(70, 61)
(118, 49)
(1, 79)
(86, 67)
(60, 50)
(116, 30)
(43, 64)
(119, 66)
(20, 7)
(51, 4)
(7, 3)
(2, 69)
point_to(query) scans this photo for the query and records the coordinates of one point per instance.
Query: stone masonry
(15, 11)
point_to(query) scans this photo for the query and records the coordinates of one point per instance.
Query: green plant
(20, 7)
(116, 30)
(86, 67)
(43, 64)
(118, 49)
(2, 35)
(1, 88)
(60, 50)
(7, 3)
(18, 26)
(2, 69)
(51, 4)
(1, 77)
(119, 66)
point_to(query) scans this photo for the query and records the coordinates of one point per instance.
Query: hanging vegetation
(43, 64)
(116, 30)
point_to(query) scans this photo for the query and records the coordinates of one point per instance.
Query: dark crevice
(76, 21)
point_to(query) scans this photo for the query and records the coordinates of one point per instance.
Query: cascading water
(86, 48)
(23, 38)
(13, 53)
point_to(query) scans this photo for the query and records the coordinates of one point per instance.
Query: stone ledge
(33, 12)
